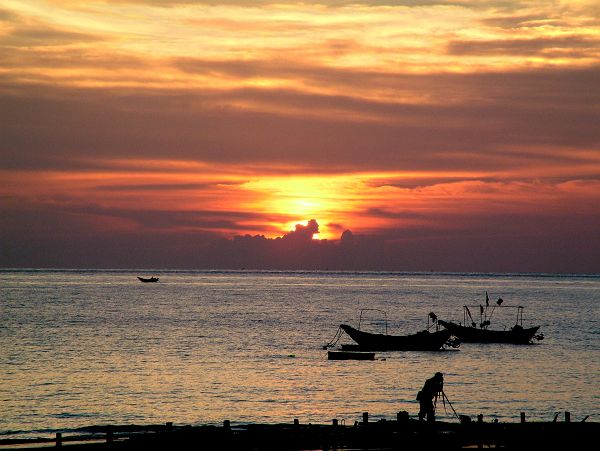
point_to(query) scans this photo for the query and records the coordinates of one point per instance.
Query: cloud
(303, 232)
(46, 36)
(45, 127)
(24, 31)
(487, 243)
(522, 21)
(7, 15)
(141, 219)
(579, 46)
(331, 3)
(297, 250)
(162, 187)
(39, 60)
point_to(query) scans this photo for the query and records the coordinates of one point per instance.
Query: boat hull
(516, 335)
(421, 341)
(151, 279)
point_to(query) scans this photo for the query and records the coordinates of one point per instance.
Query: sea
(97, 347)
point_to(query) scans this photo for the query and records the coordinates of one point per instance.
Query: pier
(402, 433)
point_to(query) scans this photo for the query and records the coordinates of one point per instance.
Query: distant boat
(421, 341)
(469, 332)
(151, 279)
(350, 355)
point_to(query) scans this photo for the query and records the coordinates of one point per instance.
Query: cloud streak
(554, 46)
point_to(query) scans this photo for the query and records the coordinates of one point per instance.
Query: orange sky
(414, 121)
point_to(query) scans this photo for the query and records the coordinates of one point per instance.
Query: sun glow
(300, 198)
(235, 202)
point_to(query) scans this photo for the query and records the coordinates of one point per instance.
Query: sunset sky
(456, 135)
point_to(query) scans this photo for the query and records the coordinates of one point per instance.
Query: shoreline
(403, 433)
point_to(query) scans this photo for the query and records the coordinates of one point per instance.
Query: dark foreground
(404, 434)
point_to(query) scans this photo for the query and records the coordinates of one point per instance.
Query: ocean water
(81, 348)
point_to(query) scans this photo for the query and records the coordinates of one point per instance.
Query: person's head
(438, 376)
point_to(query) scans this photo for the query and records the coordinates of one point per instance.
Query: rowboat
(350, 355)
(151, 279)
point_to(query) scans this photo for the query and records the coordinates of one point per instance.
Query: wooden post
(334, 422)
(365, 418)
(109, 436)
(567, 417)
(522, 417)
(296, 422)
(402, 416)
(58, 439)
(227, 424)
(480, 418)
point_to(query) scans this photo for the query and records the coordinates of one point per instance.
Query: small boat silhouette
(151, 279)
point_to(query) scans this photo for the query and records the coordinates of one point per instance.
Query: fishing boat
(420, 341)
(151, 279)
(468, 331)
(367, 341)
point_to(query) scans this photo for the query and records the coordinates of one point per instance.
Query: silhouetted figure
(427, 397)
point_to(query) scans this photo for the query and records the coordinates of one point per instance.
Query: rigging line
(335, 338)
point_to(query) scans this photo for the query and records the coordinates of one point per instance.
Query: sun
(320, 209)
(297, 199)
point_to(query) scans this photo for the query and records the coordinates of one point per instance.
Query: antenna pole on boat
(520, 315)
(373, 310)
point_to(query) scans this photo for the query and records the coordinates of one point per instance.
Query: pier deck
(404, 434)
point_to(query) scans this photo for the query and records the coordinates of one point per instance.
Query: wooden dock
(400, 434)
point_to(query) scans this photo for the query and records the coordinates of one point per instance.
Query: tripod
(444, 399)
